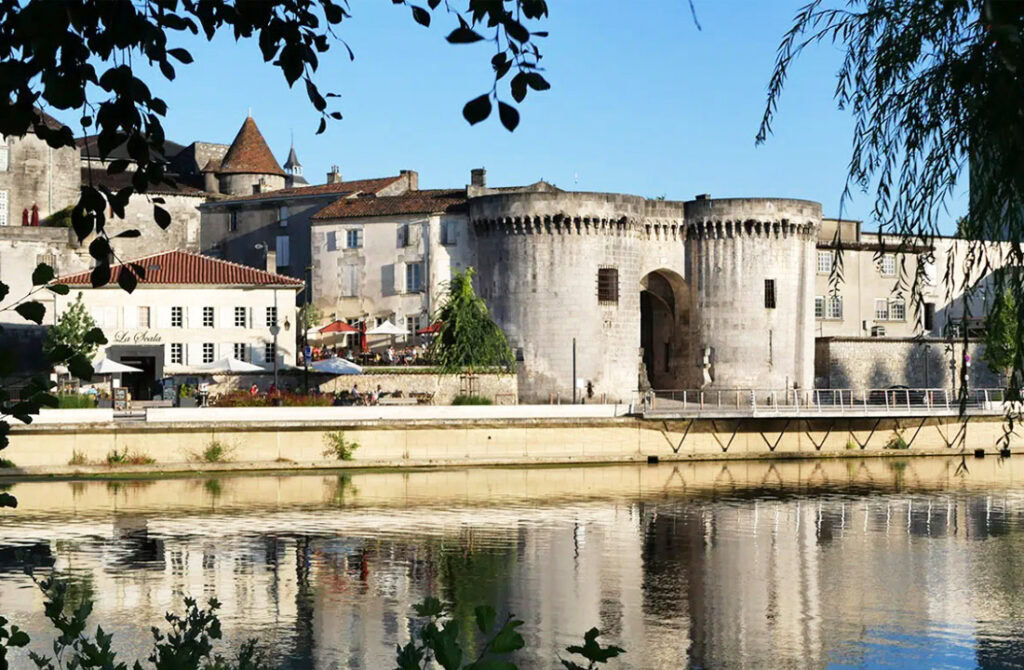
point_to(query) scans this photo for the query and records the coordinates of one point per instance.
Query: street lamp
(274, 330)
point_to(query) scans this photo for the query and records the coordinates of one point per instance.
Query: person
(254, 390)
(391, 355)
(272, 391)
(355, 394)
(375, 396)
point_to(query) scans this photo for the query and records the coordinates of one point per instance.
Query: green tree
(309, 316)
(75, 329)
(934, 89)
(468, 337)
(1001, 333)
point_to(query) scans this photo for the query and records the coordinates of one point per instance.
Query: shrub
(288, 399)
(215, 452)
(78, 458)
(851, 444)
(6, 463)
(897, 441)
(464, 399)
(336, 446)
(125, 457)
(76, 401)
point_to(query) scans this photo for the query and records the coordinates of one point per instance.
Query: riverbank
(467, 436)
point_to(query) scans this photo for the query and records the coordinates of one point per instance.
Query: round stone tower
(555, 265)
(751, 263)
(249, 166)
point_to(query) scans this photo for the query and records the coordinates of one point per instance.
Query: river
(798, 564)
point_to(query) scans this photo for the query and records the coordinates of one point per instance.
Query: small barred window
(608, 285)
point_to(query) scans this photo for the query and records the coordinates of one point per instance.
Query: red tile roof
(249, 153)
(341, 189)
(182, 267)
(412, 202)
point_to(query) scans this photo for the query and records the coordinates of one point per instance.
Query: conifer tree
(468, 338)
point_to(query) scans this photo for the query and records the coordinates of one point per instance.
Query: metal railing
(888, 400)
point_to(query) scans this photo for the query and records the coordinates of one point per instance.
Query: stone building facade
(34, 175)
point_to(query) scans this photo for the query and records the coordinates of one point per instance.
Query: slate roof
(249, 153)
(412, 202)
(340, 189)
(183, 267)
(88, 145)
(115, 182)
(293, 160)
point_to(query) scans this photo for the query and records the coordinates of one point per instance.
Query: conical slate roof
(293, 160)
(249, 153)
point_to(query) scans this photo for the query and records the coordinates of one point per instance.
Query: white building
(190, 310)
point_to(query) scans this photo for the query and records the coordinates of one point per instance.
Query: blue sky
(641, 102)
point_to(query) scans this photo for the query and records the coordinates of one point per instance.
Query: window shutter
(387, 279)
(163, 319)
(282, 251)
(258, 317)
(256, 353)
(131, 316)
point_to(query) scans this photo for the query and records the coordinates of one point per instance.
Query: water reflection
(840, 563)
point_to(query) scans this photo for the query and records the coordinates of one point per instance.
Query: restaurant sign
(137, 337)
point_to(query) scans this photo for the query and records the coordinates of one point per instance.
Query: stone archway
(664, 318)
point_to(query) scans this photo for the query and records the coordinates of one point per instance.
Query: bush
(6, 463)
(336, 446)
(125, 457)
(215, 452)
(76, 401)
(78, 458)
(288, 399)
(463, 399)
(897, 442)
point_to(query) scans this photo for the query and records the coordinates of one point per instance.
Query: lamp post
(275, 330)
(305, 332)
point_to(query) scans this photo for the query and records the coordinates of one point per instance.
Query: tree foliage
(75, 329)
(1001, 332)
(934, 89)
(468, 337)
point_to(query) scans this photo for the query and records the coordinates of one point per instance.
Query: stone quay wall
(874, 363)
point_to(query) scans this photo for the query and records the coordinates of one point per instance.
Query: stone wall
(871, 363)
(183, 233)
(39, 175)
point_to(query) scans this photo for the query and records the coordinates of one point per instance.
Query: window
(824, 262)
(414, 277)
(49, 259)
(208, 315)
(354, 238)
(4, 154)
(449, 233)
(834, 307)
(177, 353)
(177, 317)
(380, 320)
(3, 208)
(929, 316)
(403, 235)
(240, 317)
(819, 307)
(769, 294)
(881, 309)
(350, 281)
(413, 322)
(207, 352)
(281, 246)
(271, 316)
(283, 216)
(232, 220)
(607, 285)
(143, 317)
(897, 310)
(269, 352)
(332, 241)
(887, 266)
(239, 351)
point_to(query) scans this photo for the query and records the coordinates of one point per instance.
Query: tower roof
(249, 153)
(293, 160)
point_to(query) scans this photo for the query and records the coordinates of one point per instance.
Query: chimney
(478, 177)
(210, 183)
(271, 261)
(334, 176)
(412, 179)
(702, 196)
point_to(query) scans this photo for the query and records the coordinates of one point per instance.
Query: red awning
(431, 329)
(338, 327)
